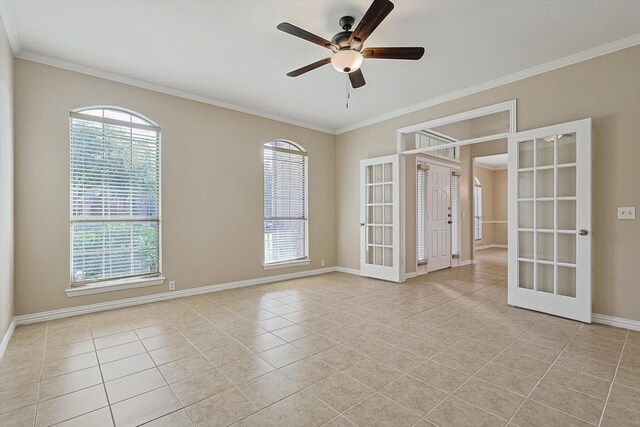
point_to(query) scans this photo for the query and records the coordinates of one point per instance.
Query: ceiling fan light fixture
(347, 60)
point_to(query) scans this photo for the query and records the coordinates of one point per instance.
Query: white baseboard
(491, 246)
(7, 336)
(348, 270)
(463, 263)
(410, 275)
(619, 322)
(110, 305)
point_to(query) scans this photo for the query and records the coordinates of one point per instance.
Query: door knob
(583, 232)
(362, 224)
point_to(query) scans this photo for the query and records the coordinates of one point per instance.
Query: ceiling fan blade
(376, 13)
(306, 35)
(413, 53)
(357, 79)
(307, 68)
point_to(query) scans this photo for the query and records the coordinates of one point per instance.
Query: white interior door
(550, 220)
(438, 218)
(380, 218)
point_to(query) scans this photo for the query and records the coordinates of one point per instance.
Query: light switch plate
(627, 212)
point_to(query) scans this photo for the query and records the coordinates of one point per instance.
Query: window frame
(115, 283)
(299, 150)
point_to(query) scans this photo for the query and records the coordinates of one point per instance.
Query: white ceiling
(230, 52)
(498, 161)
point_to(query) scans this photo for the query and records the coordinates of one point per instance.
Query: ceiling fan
(347, 46)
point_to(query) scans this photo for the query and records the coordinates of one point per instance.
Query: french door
(550, 220)
(380, 218)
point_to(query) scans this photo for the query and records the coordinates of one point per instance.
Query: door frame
(455, 168)
(509, 106)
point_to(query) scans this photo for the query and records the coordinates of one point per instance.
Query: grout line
(544, 375)
(606, 402)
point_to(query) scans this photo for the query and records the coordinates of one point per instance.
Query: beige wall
(6, 183)
(212, 186)
(494, 205)
(607, 89)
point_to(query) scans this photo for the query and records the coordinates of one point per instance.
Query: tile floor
(332, 350)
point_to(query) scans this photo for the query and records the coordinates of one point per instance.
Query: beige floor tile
(175, 419)
(340, 421)
(628, 377)
(274, 323)
(490, 398)
(123, 367)
(421, 347)
(456, 413)
(116, 328)
(579, 405)
(164, 340)
(18, 397)
(74, 349)
(68, 383)
(313, 344)
(23, 417)
(301, 409)
(367, 345)
(373, 373)
(477, 349)
(269, 388)
(626, 397)
(308, 371)
(377, 410)
(522, 363)
(340, 391)
(225, 354)
(155, 330)
(507, 378)
(587, 365)
(145, 407)
(262, 342)
(122, 351)
(534, 414)
(414, 394)
(70, 405)
(100, 418)
(246, 369)
(283, 355)
(116, 339)
(340, 357)
(292, 333)
(184, 368)
(617, 416)
(134, 385)
(70, 364)
(462, 362)
(19, 377)
(439, 376)
(222, 409)
(172, 353)
(201, 386)
(587, 384)
(399, 359)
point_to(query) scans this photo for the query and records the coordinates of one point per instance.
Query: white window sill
(286, 264)
(114, 285)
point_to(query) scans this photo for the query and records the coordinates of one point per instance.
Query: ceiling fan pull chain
(348, 91)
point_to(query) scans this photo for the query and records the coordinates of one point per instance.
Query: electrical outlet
(172, 285)
(627, 212)
(321, 263)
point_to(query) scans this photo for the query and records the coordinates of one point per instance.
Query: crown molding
(509, 78)
(70, 66)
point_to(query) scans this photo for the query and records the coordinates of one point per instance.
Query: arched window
(115, 195)
(477, 209)
(286, 228)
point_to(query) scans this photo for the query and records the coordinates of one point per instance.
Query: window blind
(422, 175)
(285, 203)
(477, 210)
(455, 184)
(115, 199)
